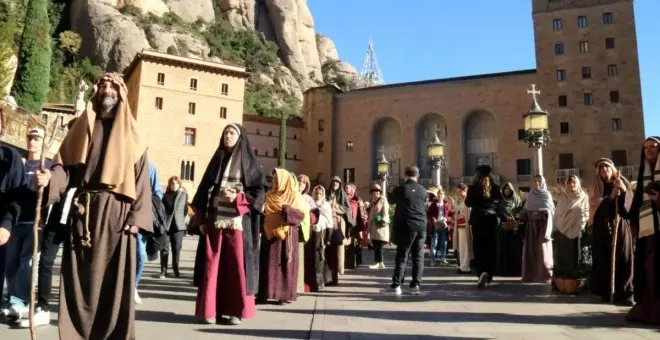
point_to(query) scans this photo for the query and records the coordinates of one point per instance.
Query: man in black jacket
(409, 229)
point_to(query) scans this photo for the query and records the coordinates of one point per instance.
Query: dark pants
(50, 245)
(175, 239)
(3, 265)
(378, 250)
(406, 242)
(484, 233)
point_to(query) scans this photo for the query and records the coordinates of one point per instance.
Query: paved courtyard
(450, 307)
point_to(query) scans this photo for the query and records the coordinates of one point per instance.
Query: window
(586, 72)
(557, 25)
(159, 103)
(561, 75)
(562, 100)
(521, 134)
(295, 136)
(582, 21)
(193, 84)
(616, 125)
(584, 46)
(608, 18)
(524, 167)
(609, 43)
(224, 89)
(258, 132)
(191, 108)
(295, 157)
(588, 99)
(612, 70)
(189, 138)
(614, 97)
(349, 175)
(223, 114)
(566, 161)
(256, 152)
(270, 133)
(620, 157)
(559, 49)
(187, 171)
(321, 124)
(564, 128)
(276, 152)
(161, 79)
(320, 147)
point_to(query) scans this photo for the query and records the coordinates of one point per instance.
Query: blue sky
(412, 39)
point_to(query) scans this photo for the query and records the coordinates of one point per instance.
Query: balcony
(629, 171)
(524, 178)
(561, 175)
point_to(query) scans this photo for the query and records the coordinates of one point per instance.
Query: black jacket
(410, 211)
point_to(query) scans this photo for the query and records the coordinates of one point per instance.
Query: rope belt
(83, 210)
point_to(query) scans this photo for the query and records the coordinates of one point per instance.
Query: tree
(33, 75)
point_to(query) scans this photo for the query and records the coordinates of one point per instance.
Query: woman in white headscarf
(537, 250)
(570, 219)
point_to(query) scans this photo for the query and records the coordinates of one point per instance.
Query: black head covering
(484, 170)
(254, 182)
(340, 194)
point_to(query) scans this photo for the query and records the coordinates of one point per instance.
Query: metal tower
(370, 74)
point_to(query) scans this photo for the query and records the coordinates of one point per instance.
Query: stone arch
(386, 138)
(426, 128)
(479, 140)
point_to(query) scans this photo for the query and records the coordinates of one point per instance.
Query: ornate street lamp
(537, 134)
(383, 169)
(436, 152)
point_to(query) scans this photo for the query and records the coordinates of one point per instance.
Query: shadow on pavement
(165, 317)
(304, 334)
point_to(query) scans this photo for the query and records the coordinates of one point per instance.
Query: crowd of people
(270, 237)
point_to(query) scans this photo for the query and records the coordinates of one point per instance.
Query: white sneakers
(379, 265)
(397, 291)
(138, 300)
(41, 317)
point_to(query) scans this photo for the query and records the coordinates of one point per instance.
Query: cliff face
(111, 38)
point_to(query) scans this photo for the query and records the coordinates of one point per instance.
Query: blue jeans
(19, 265)
(141, 257)
(439, 240)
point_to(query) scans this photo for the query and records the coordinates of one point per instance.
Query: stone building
(587, 70)
(264, 134)
(182, 105)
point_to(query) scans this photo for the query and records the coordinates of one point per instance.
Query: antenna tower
(370, 74)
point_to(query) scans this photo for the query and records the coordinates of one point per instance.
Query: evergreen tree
(33, 75)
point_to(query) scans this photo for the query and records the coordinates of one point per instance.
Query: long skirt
(509, 252)
(278, 274)
(223, 289)
(332, 262)
(314, 261)
(647, 309)
(300, 283)
(600, 282)
(537, 251)
(567, 256)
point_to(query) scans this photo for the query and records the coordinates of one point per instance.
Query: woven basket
(570, 286)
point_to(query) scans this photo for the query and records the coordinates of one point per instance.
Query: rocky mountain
(112, 33)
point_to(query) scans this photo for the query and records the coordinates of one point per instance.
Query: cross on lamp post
(437, 155)
(536, 128)
(383, 169)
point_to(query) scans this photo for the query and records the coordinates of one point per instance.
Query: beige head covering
(124, 147)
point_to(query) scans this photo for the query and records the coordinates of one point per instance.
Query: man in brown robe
(103, 161)
(609, 200)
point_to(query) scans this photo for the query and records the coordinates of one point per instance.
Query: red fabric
(242, 204)
(223, 290)
(432, 213)
(278, 277)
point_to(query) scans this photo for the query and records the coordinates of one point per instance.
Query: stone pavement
(450, 307)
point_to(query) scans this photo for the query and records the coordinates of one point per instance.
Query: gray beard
(108, 104)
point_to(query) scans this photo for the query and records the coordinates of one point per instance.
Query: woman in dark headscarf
(337, 237)
(227, 207)
(537, 250)
(483, 197)
(509, 236)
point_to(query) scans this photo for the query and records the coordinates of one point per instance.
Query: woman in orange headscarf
(286, 220)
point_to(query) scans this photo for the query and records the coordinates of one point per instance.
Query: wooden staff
(615, 236)
(37, 222)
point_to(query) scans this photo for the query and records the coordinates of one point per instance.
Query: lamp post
(383, 170)
(437, 155)
(537, 134)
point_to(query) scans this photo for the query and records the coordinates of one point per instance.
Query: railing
(524, 178)
(562, 174)
(629, 171)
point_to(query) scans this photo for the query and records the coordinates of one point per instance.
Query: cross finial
(534, 92)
